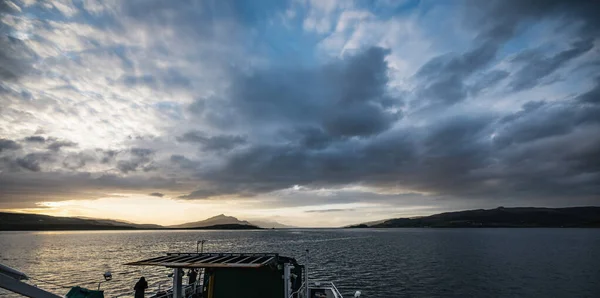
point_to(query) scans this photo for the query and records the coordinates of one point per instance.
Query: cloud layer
(277, 102)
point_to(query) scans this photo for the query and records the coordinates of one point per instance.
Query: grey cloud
(592, 96)
(108, 155)
(127, 166)
(262, 168)
(35, 139)
(183, 162)
(160, 80)
(335, 125)
(139, 158)
(442, 78)
(6, 144)
(213, 143)
(309, 137)
(539, 120)
(466, 156)
(26, 187)
(77, 160)
(487, 80)
(502, 18)
(143, 80)
(157, 194)
(15, 56)
(141, 152)
(32, 161)
(497, 22)
(328, 210)
(330, 97)
(57, 145)
(537, 67)
(358, 120)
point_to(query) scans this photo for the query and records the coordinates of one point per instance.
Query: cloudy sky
(311, 113)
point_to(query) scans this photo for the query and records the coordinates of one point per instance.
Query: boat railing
(187, 290)
(326, 284)
(300, 292)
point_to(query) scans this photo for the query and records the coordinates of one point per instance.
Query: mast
(306, 276)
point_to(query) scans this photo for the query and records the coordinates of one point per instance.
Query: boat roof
(214, 260)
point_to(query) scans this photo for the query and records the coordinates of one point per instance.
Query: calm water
(380, 263)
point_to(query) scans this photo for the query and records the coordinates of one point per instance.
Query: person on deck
(140, 287)
(192, 276)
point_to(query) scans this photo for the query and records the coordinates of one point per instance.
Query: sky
(306, 112)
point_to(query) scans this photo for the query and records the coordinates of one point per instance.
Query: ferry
(215, 275)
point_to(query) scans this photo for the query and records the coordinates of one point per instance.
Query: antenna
(306, 274)
(200, 242)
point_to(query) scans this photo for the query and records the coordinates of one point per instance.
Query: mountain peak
(220, 219)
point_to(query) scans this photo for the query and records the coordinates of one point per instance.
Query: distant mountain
(38, 222)
(267, 224)
(500, 217)
(220, 219)
(124, 223)
(227, 227)
(223, 219)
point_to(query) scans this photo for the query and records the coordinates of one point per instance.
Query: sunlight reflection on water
(380, 263)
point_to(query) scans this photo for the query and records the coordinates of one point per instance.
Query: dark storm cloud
(126, 166)
(157, 194)
(547, 121)
(137, 159)
(57, 145)
(76, 161)
(108, 155)
(338, 124)
(487, 80)
(141, 152)
(262, 168)
(593, 95)
(537, 66)
(345, 98)
(214, 143)
(502, 18)
(443, 77)
(6, 144)
(33, 161)
(27, 187)
(524, 155)
(35, 139)
(182, 161)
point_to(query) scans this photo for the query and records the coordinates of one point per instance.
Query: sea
(378, 262)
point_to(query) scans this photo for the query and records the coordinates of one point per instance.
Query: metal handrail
(184, 289)
(328, 284)
(302, 287)
(336, 290)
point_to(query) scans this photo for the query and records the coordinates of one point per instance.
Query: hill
(223, 219)
(500, 217)
(124, 223)
(220, 219)
(227, 227)
(267, 224)
(38, 222)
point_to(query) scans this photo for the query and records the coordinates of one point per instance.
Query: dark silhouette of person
(192, 276)
(140, 287)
